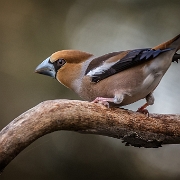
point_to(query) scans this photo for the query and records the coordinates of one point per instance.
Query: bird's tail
(173, 43)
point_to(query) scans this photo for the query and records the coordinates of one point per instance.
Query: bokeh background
(30, 31)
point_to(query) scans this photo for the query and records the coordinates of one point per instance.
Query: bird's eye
(60, 62)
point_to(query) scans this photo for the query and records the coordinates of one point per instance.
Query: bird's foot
(143, 110)
(103, 101)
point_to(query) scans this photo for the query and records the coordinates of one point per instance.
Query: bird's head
(63, 65)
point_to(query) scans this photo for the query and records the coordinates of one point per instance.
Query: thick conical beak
(46, 68)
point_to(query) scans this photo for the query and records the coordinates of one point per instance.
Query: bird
(115, 79)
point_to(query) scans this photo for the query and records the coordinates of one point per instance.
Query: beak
(46, 68)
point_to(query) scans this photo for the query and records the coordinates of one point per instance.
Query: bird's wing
(176, 57)
(113, 63)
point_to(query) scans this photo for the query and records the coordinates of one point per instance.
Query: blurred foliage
(30, 31)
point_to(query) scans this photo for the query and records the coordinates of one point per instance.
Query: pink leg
(103, 101)
(143, 109)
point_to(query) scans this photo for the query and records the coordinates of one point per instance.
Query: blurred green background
(30, 31)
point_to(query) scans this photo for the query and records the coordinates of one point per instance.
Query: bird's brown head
(63, 65)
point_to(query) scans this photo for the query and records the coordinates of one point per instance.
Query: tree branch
(133, 128)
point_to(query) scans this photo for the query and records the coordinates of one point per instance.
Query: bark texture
(133, 128)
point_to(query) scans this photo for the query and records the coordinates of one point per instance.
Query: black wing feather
(133, 58)
(176, 57)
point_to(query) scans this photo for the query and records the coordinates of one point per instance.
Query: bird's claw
(102, 101)
(143, 111)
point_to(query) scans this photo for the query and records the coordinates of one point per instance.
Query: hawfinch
(114, 79)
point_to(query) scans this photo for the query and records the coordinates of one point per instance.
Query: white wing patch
(100, 69)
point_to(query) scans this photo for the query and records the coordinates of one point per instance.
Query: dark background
(30, 31)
